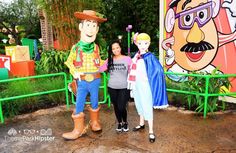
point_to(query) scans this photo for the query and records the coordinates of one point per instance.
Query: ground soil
(177, 131)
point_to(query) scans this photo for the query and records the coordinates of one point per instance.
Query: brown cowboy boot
(79, 128)
(94, 119)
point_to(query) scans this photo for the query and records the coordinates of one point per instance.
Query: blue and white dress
(149, 88)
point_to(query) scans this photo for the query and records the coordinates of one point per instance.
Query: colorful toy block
(18, 53)
(5, 62)
(22, 69)
(4, 73)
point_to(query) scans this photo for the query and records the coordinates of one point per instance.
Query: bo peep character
(147, 83)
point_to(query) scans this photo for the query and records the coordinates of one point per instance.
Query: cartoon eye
(203, 14)
(188, 19)
(94, 25)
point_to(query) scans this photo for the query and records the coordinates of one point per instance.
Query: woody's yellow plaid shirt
(87, 66)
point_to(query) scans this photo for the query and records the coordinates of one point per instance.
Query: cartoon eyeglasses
(201, 14)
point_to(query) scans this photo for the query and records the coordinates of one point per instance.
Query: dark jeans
(119, 98)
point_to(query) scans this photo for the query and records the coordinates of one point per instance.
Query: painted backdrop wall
(198, 35)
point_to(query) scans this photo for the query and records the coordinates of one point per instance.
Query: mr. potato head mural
(194, 38)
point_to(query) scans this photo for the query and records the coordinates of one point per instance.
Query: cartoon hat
(90, 15)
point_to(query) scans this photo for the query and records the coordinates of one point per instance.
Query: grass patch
(30, 104)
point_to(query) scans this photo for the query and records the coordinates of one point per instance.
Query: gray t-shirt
(118, 75)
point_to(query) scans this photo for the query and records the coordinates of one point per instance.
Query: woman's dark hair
(110, 55)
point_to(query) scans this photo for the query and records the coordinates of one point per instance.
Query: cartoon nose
(195, 34)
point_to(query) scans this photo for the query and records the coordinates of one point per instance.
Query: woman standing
(118, 65)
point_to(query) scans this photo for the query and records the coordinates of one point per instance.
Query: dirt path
(176, 133)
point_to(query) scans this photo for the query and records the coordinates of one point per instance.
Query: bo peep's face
(143, 45)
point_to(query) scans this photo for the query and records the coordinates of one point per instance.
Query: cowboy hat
(90, 15)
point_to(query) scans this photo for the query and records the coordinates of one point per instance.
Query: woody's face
(195, 34)
(88, 30)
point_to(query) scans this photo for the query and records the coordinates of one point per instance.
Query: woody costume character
(84, 62)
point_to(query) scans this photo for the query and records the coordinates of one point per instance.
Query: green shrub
(52, 61)
(2, 48)
(102, 46)
(195, 102)
(176, 99)
(198, 84)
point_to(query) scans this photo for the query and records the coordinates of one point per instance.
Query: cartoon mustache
(195, 47)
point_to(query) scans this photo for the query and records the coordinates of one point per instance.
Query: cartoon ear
(215, 7)
(80, 26)
(97, 29)
(170, 20)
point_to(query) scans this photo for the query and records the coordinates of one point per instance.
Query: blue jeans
(83, 88)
